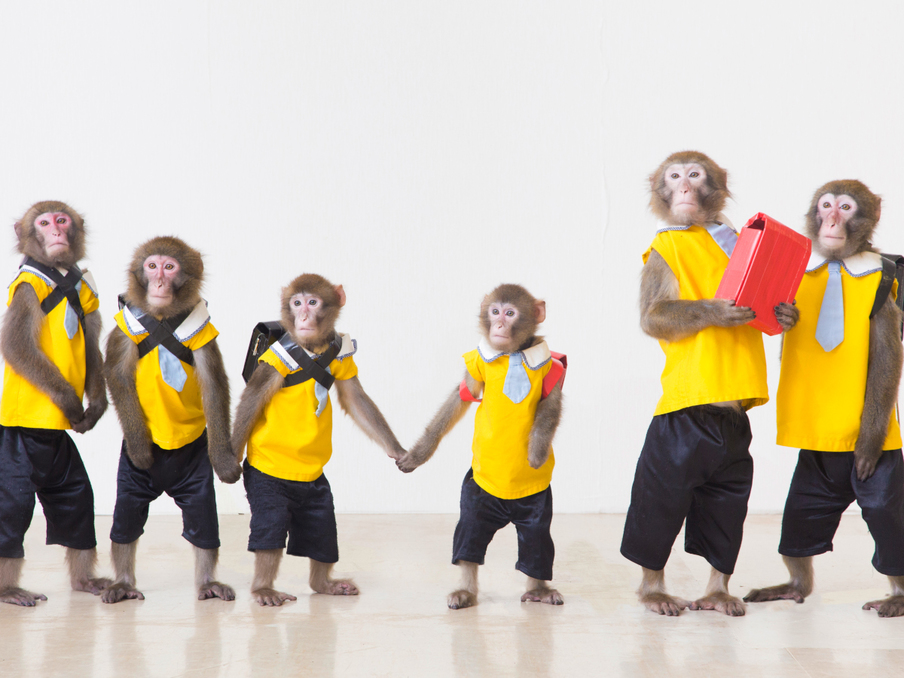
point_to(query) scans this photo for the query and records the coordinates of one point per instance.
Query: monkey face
(52, 231)
(509, 316)
(833, 213)
(306, 310)
(686, 184)
(503, 318)
(162, 274)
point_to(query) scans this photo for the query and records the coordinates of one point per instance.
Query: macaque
(509, 481)
(285, 418)
(695, 464)
(171, 394)
(50, 342)
(836, 399)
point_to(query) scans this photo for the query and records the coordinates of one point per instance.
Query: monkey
(171, 394)
(695, 465)
(50, 342)
(285, 420)
(836, 399)
(520, 382)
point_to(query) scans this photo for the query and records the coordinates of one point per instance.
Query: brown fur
(266, 567)
(187, 286)
(800, 586)
(714, 194)
(859, 227)
(525, 327)
(311, 283)
(30, 244)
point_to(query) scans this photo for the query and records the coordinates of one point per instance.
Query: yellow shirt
(174, 418)
(717, 364)
(25, 405)
(289, 440)
(820, 394)
(502, 427)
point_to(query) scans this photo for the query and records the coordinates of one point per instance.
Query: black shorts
(43, 462)
(186, 475)
(695, 464)
(302, 510)
(824, 485)
(482, 515)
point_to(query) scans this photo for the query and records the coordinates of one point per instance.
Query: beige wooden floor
(400, 626)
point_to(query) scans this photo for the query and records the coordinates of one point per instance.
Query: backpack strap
(892, 268)
(161, 332)
(65, 287)
(311, 368)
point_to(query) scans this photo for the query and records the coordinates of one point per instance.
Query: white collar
(534, 357)
(349, 347)
(720, 219)
(194, 323)
(857, 266)
(86, 276)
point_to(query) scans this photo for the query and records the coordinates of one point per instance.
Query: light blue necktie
(70, 319)
(724, 236)
(830, 327)
(171, 368)
(517, 383)
(321, 394)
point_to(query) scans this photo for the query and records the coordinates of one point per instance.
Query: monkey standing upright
(841, 366)
(50, 342)
(286, 419)
(170, 390)
(511, 469)
(695, 463)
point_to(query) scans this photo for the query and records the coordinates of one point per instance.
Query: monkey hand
(411, 460)
(866, 460)
(72, 407)
(227, 468)
(139, 451)
(396, 453)
(94, 412)
(726, 314)
(537, 454)
(787, 315)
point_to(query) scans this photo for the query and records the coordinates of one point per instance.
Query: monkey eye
(494, 311)
(152, 265)
(846, 206)
(826, 204)
(674, 175)
(297, 302)
(169, 267)
(44, 222)
(694, 175)
(312, 302)
(510, 313)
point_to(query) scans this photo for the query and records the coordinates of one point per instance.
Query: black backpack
(892, 269)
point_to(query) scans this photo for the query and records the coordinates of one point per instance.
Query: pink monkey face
(306, 309)
(52, 229)
(685, 181)
(502, 317)
(161, 273)
(834, 212)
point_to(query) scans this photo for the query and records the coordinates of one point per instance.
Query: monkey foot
(893, 606)
(780, 592)
(664, 604)
(336, 587)
(92, 585)
(720, 602)
(271, 597)
(17, 596)
(461, 599)
(118, 592)
(214, 589)
(543, 595)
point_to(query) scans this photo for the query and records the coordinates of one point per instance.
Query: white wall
(420, 154)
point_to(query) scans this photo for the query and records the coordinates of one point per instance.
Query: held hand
(787, 315)
(416, 456)
(228, 469)
(397, 453)
(94, 412)
(727, 314)
(72, 408)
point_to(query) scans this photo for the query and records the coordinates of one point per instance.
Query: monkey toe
(215, 589)
(337, 587)
(93, 585)
(120, 592)
(548, 596)
(271, 597)
(892, 606)
(461, 599)
(21, 597)
(782, 592)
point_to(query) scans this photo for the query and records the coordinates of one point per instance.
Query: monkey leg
(717, 597)
(266, 567)
(10, 570)
(652, 594)
(205, 572)
(539, 592)
(123, 587)
(893, 606)
(321, 582)
(466, 596)
(800, 586)
(81, 571)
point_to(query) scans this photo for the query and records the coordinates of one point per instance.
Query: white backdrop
(421, 153)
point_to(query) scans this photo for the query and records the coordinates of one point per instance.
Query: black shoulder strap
(892, 269)
(160, 332)
(311, 368)
(65, 287)
(263, 335)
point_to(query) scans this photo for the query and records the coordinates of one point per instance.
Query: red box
(765, 269)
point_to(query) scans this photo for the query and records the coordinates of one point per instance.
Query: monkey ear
(539, 311)
(341, 293)
(17, 227)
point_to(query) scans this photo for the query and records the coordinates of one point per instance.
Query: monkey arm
(20, 343)
(358, 405)
(664, 316)
(95, 386)
(120, 365)
(449, 414)
(265, 383)
(214, 385)
(546, 421)
(886, 355)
